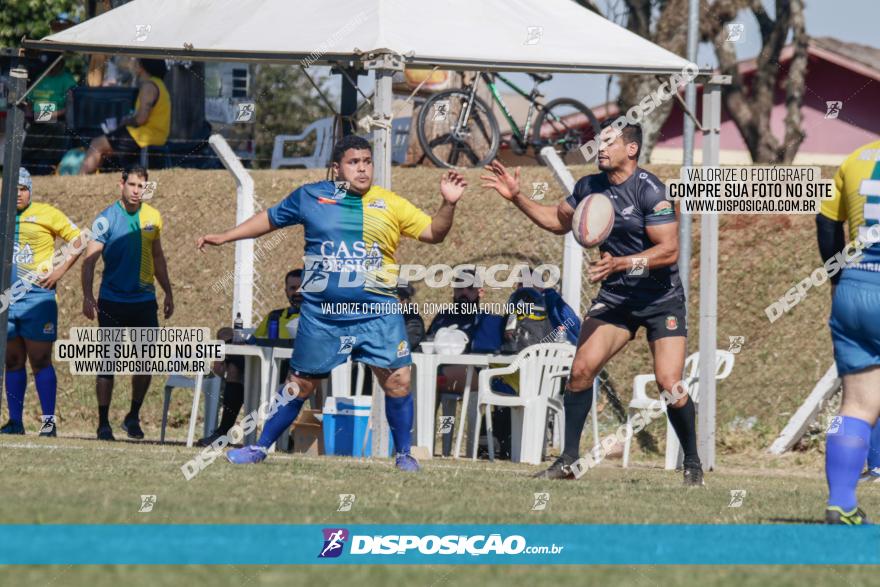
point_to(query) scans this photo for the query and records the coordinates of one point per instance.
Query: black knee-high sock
(233, 399)
(577, 406)
(684, 422)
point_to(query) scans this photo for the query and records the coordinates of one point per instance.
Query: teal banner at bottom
(277, 544)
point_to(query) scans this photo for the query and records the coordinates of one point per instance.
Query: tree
(31, 18)
(670, 32)
(750, 107)
(664, 22)
(285, 104)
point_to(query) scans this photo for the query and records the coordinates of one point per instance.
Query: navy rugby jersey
(638, 202)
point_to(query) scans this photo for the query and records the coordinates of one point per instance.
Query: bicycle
(457, 126)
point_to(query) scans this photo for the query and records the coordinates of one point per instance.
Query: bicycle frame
(521, 136)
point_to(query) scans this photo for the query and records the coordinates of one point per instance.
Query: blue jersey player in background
(352, 229)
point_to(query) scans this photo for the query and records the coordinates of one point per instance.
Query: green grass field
(77, 480)
(70, 480)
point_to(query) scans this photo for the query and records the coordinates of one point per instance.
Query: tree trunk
(671, 34)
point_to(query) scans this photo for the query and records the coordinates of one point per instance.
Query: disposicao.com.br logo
(452, 544)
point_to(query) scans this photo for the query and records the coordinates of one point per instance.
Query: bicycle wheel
(566, 125)
(450, 142)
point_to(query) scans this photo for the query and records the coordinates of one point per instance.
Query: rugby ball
(593, 220)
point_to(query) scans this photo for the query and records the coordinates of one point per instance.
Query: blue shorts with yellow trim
(322, 344)
(855, 329)
(34, 317)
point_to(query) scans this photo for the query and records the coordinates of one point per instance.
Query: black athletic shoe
(132, 426)
(48, 428)
(209, 440)
(836, 515)
(693, 477)
(560, 469)
(12, 427)
(105, 432)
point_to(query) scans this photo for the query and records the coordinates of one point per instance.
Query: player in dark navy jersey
(640, 287)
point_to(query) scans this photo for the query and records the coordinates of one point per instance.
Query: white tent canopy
(462, 34)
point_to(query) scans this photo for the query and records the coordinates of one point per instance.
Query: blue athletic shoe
(407, 463)
(247, 455)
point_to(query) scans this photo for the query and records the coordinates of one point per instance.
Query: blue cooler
(345, 426)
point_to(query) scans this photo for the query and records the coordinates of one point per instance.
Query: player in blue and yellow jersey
(32, 311)
(855, 325)
(132, 252)
(350, 307)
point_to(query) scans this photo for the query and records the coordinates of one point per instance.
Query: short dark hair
(155, 67)
(477, 281)
(135, 170)
(349, 142)
(293, 273)
(631, 133)
(406, 291)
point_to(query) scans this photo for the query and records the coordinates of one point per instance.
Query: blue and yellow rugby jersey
(128, 253)
(857, 201)
(36, 228)
(350, 241)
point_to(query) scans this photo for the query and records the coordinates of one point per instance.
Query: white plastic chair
(640, 401)
(540, 367)
(320, 157)
(211, 387)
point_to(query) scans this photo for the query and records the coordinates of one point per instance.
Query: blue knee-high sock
(874, 452)
(399, 412)
(16, 383)
(47, 386)
(279, 422)
(846, 447)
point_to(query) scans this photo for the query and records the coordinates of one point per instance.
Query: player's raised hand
(209, 239)
(501, 181)
(452, 185)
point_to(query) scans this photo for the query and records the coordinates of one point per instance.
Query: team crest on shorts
(671, 323)
(402, 349)
(346, 344)
(48, 328)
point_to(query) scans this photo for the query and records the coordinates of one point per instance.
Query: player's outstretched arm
(256, 225)
(551, 218)
(452, 186)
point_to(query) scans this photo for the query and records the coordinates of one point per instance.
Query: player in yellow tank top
(149, 124)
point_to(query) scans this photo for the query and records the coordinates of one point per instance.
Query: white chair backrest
(540, 366)
(723, 366)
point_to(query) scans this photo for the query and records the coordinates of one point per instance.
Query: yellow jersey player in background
(855, 326)
(32, 312)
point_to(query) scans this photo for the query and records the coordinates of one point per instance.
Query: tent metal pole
(709, 282)
(9, 197)
(384, 65)
(690, 94)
